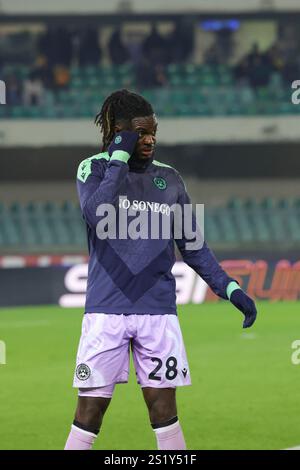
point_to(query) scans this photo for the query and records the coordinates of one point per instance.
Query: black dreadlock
(122, 105)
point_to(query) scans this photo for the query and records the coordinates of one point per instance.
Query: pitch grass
(245, 392)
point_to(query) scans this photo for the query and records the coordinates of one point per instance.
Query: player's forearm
(205, 264)
(107, 192)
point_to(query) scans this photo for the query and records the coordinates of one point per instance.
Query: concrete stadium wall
(144, 6)
(190, 130)
(202, 161)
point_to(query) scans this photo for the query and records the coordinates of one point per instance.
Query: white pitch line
(293, 448)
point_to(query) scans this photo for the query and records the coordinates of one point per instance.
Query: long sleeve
(202, 260)
(98, 182)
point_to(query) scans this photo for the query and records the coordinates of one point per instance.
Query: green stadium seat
(268, 203)
(87, 111)
(267, 108)
(35, 112)
(75, 71)
(172, 68)
(65, 96)
(200, 109)
(205, 69)
(125, 69)
(209, 80)
(91, 71)
(243, 223)
(263, 93)
(49, 98)
(192, 80)
(234, 109)
(237, 223)
(69, 112)
(275, 80)
(223, 69)
(16, 208)
(3, 112)
(275, 219)
(109, 81)
(261, 229)
(51, 112)
(286, 108)
(19, 111)
(226, 79)
(77, 82)
(93, 81)
(235, 203)
(211, 229)
(250, 109)
(247, 94)
(226, 224)
(176, 80)
(91, 84)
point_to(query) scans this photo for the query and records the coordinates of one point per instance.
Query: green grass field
(245, 392)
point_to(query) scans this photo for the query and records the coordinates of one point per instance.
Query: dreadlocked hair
(122, 105)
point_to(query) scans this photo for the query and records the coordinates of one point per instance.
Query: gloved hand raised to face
(122, 146)
(243, 302)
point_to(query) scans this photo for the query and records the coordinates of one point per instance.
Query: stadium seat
(211, 228)
(3, 112)
(227, 227)
(237, 223)
(18, 111)
(92, 84)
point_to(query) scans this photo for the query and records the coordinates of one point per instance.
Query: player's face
(146, 127)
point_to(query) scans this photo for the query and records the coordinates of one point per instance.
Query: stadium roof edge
(33, 8)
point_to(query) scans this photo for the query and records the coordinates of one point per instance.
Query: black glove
(245, 304)
(122, 146)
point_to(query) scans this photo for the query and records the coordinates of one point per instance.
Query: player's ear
(122, 125)
(118, 128)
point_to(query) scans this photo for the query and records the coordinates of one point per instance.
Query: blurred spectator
(253, 55)
(291, 71)
(63, 47)
(46, 45)
(89, 50)
(212, 55)
(13, 90)
(33, 89)
(274, 58)
(134, 47)
(241, 71)
(150, 75)
(259, 72)
(117, 50)
(154, 47)
(225, 44)
(256, 68)
(56, 46)
(1, 64)
(45, 72)
(61, 76)
(180, 43)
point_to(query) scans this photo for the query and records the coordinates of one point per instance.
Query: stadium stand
(242, 223)
(203, 90)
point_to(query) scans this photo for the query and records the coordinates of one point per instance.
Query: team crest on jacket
(83, 372)
(160, 182)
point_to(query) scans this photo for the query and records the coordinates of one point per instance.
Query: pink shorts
(104, 352)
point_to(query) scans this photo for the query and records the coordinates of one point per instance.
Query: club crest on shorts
(83, 372)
